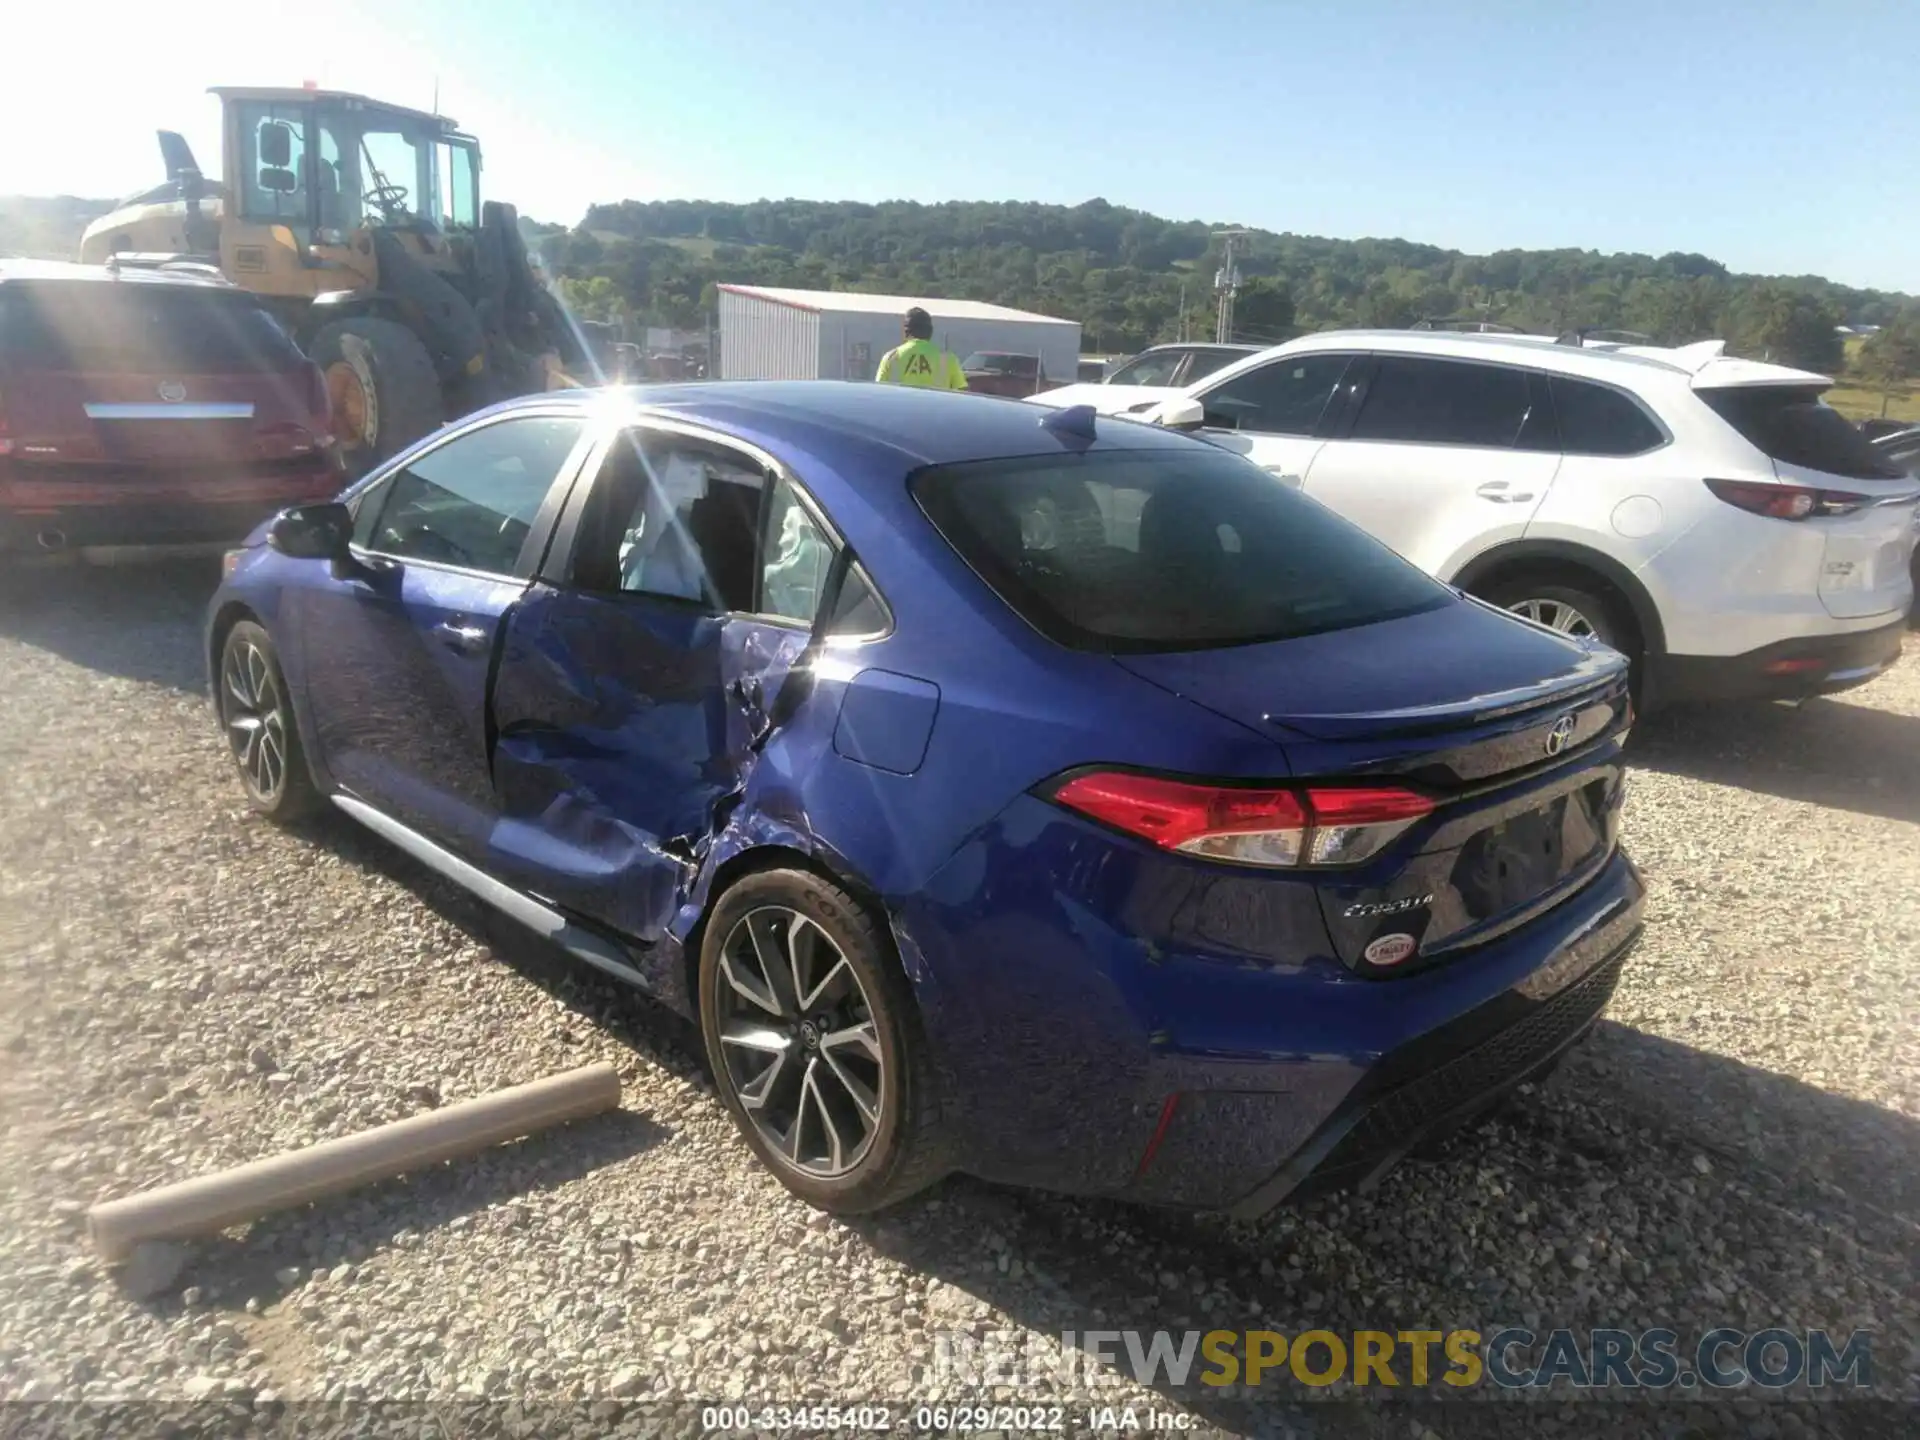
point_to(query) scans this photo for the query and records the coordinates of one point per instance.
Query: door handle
(1496, 490)
(463, 639)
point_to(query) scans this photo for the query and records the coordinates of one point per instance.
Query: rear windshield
(136, 327)
(1164, 550)
(1789, 424)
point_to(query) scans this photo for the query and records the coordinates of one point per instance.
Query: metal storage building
(768, 333)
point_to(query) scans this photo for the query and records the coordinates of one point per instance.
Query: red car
(149, 407)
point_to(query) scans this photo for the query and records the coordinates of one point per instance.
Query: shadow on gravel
(1832, 752)
(636, 1020)
(315, 1237)
(140, 620)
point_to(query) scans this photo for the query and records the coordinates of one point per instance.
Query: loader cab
(310, 171)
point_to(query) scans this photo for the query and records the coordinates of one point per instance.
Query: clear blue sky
(1775, 137)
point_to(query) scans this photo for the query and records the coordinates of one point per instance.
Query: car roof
(1702, 365)
(1234, 346)
(899, 425)
(45, 270)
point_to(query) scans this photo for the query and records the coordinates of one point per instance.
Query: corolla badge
(172, 391)
(1561, 735)
(1386, 907)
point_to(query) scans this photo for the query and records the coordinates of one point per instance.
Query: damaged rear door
(640, 672)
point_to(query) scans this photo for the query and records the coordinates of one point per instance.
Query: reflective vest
(922, 363)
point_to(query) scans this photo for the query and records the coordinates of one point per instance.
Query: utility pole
(1226, 282)
(1183, 308)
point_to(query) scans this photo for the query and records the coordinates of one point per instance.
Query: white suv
(1706, 515)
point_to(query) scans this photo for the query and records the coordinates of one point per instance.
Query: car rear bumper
(1787, 670)
(1231, 1086)
(42, 515)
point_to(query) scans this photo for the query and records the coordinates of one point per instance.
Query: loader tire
(384, 389)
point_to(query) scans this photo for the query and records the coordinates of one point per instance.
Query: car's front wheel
(815, 1042)
(257, 718)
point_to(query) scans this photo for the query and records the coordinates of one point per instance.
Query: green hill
(1123, 273)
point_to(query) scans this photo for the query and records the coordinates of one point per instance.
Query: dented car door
(637, 680)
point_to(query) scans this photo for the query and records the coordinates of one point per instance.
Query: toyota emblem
(1561, 735)
(172, 391)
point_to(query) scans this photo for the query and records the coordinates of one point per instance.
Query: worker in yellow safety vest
(918, 361)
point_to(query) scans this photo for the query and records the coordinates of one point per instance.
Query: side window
(1597, 421)
(1284, 397)
(679, 518)
(1444, 402)
(1155, 369)
(273, 146)
(675, 518)
(472, 501)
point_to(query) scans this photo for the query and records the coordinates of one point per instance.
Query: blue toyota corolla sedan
(1044, 796)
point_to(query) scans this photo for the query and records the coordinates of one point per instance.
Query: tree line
(1133, 279)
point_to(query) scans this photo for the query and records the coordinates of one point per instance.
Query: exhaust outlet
(51, 539)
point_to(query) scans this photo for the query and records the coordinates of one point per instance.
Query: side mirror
(276, 144)
(280, 182)
(313, 532)
(1182, 414)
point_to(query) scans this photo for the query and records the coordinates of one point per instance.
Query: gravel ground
(183, 987)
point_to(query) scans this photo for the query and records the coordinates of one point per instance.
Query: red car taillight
(1313, 825)
(1786, 502)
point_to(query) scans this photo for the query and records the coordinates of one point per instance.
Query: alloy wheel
(1555, 615)
(799, 1043)
(255, 718)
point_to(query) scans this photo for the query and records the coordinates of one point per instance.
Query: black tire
(256, 716)
(1600, 612)
(396, 378)
(904, 1152)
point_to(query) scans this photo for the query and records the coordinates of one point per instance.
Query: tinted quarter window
(1205, 362)
(1170, 549)
(1595, 420)
(1788, 423)
(1444, 402)
(676, 518)
(1282, 397)
(472, 501)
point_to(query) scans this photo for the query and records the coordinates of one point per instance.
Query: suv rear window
(138, 327)
(1164, 550)
(1789, 424)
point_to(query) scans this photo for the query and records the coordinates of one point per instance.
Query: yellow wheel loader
(361, 224)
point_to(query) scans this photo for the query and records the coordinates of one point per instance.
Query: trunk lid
(145, 372)
(1520, 748)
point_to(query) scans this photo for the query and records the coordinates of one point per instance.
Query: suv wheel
(1570, 609)
(815, 1044)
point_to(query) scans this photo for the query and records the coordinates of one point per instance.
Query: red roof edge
(756, 293)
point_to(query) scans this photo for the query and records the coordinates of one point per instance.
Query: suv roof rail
(1471, 324)
(1602, 335)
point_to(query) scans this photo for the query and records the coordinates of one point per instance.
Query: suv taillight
(1786, 502)
(1314, 825)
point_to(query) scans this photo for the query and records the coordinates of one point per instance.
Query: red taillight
(1786, 502)
(1314, 825)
